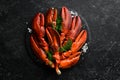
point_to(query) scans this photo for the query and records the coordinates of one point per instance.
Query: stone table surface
(102, 60)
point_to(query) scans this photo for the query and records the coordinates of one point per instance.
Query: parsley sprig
(58, 26)
(49, 55)
(67, 46)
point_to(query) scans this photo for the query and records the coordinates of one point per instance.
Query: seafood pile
(57, 38)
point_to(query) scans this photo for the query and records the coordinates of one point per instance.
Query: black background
(101, 62)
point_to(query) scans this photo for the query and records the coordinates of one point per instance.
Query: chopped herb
(67, 46)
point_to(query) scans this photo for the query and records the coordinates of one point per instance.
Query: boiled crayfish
(57, 39)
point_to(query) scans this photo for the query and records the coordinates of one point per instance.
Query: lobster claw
(40, 53)
(77, 44)
(70, 61)
(38, 25)
(66, 22)
(75, 28)
(54, 38)
(79, 41)
(39, 30)
(66, 19)
(51, 17)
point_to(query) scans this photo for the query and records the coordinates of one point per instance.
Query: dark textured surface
(101, 62)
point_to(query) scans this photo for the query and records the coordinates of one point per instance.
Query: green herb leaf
(62, 49)
(67, 46)
(49, 55)
(58, 24)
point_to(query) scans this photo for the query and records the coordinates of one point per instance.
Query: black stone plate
(37, 61)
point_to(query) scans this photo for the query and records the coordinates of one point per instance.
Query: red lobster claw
(75, 28)
(54, 40)
(40, 53)
(51, 17)
(79, 41)
(39, 30)
(38, 25)
(71, 57)
(66, 22)
(76, 45)
(70, 61)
